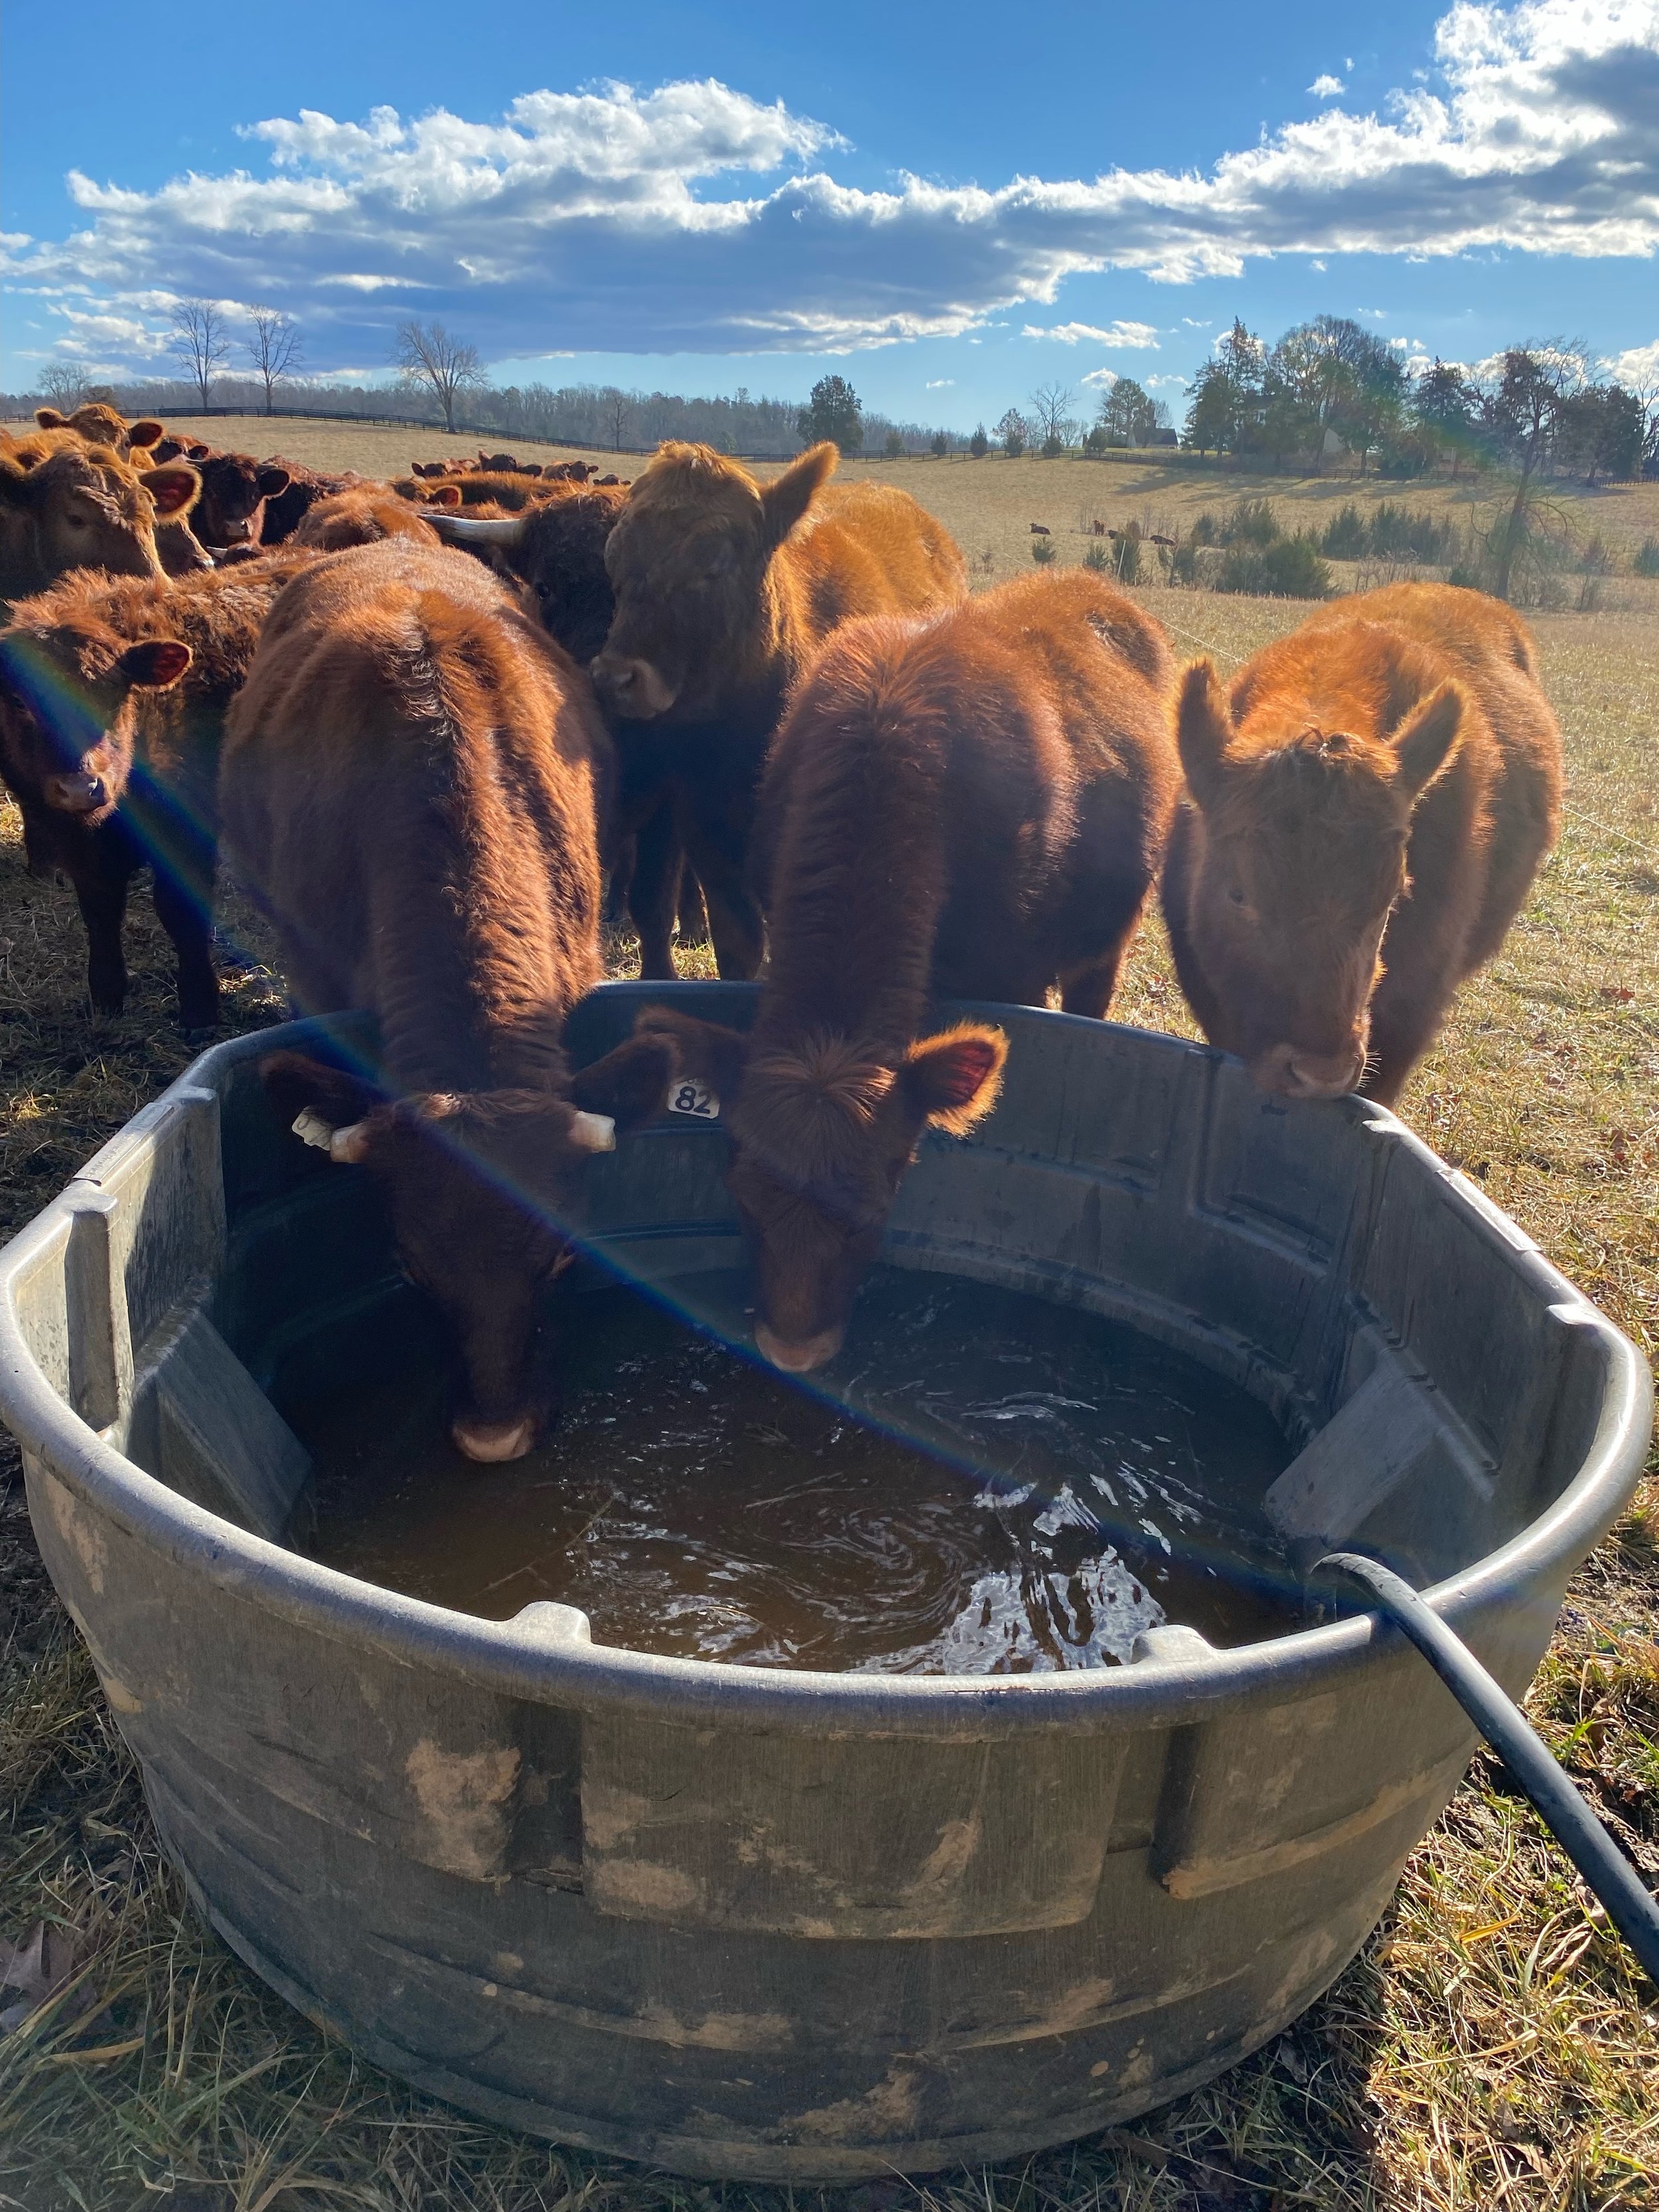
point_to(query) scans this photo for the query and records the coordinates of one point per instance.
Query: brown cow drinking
(973, 806)
(409, 790)
(725, 588)
(1368, 805)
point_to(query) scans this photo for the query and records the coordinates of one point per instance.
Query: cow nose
(1287, 1072)
(76, 794)
(798, 1358)
(492, 1442)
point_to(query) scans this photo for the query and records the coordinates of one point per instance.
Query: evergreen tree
(833, 412)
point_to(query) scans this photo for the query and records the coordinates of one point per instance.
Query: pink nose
(492, 1442)
(1287, 1072)
(798, 1358)
(75, 794)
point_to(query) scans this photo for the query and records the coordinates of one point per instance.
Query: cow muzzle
(493, 1442)
(1285, 1070)
(802, 1358)
(81, 794)
(632, 688)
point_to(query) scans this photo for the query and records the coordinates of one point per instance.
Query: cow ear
(155, 663)
(705, 1050)
(628, 1084)
(50, 419)
(174, 488)
(1203, 728)
(785, 501)
(445, 496)
(143, 433)
(952, 1080)
(1423, 742)
(272, 482)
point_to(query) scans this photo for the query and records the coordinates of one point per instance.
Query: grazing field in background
(989, 505)
(1491, 2046)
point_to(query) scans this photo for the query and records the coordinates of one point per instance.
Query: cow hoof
(493, 1442)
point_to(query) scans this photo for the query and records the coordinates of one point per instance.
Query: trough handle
(1631, 1906)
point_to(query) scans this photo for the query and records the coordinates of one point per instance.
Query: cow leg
(618, 876)
(1087, 988)
(693, 928)
(103, 901)
(653, 893)
(737, 931)
(186, 917)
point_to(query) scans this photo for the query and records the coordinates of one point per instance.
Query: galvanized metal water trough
(792, 1926)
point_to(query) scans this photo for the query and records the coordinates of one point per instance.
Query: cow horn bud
(504, 530)
(593, 1132)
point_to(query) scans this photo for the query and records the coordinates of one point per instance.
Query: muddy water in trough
(983, 1483)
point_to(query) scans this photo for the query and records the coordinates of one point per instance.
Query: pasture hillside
(989, 506)
(1492, 2045)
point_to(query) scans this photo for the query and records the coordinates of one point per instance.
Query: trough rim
(524, 1661)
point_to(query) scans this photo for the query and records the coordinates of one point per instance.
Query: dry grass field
(989, 505)
(1491, 2047)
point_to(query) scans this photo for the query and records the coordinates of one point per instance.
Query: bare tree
(428, 356)
(65, 385)
(275, 350)
(617, 409)
(1052, 406)
(201, 342)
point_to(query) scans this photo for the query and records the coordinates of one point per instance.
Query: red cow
(304, 488)
(235, 488)
(362, 517)
(112, 701)
(64, 504)
(146, 444)
(973, 806)
(1367, 804)
(409, 790)
(725, 588)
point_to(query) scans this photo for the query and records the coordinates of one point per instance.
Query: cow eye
(1237, 895)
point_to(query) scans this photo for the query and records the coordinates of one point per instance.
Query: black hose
(1630, 1907)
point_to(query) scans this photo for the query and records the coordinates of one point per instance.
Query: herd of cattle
(421, 757)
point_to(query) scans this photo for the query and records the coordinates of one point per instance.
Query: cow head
(475, 1184)
(821, 1133)
(1299, 846)
(687, 560)
(67, 711)
(558, 548)
(65, 505)
(231, 510)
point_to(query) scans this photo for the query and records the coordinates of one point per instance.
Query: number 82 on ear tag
(696, 1099)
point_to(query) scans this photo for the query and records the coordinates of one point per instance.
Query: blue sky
(948, 206)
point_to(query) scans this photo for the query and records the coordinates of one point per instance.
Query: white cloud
(631, 221)
(941, 383)
(1137, 335)
(1328, 87)
(1637, 367)
(1101, 380)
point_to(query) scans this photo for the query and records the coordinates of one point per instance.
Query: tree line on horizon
(1324, 388)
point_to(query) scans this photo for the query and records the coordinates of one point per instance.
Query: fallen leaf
(37, 1968)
